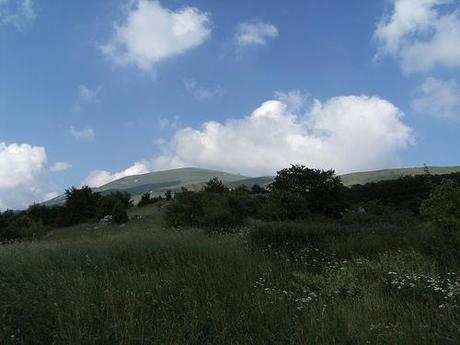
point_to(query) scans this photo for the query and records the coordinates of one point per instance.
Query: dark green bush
(119, 213)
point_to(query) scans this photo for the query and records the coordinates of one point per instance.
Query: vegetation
(82, 205)
(306, 261)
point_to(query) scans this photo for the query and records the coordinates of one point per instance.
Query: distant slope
(391, 174)
(159, 182)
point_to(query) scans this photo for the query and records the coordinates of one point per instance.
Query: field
(144, 284)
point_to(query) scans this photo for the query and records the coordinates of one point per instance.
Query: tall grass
(145, 285)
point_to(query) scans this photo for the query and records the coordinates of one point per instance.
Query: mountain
(158, 182)
(392, 174)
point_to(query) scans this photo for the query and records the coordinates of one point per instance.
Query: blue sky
(91, 91)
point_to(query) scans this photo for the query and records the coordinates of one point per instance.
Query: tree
(81, 204)
(107, 202)
(215, 185)
(168, 195)
(321, 190)
(145, 200)
(443, 205)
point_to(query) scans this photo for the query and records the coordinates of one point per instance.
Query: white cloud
(254, 33)
(20, 164)
(98, 178)
(201, 93)
(17, 13)
(82, 134)
(60, 166)
(421, 34)
(438, 98)
(20, 168)
(347, 133)
(294, 99)
(88, 95)
(151, 33)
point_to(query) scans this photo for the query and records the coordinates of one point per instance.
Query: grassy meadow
(143, 283)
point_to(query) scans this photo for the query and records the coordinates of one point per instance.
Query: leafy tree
(321, 191)
(145, 200)
(443, 205)
(215, 185)
(81, 204)
(168, 195)
(107, 202)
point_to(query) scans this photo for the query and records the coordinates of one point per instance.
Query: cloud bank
(151, 33)
(348, 133)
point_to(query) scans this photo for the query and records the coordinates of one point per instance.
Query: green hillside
(391, 174)
(159, 182)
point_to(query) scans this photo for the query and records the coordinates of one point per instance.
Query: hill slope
(392, 174)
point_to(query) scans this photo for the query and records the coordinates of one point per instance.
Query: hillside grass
(144, 284)
(393, 174)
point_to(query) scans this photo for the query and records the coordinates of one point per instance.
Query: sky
(92, 91)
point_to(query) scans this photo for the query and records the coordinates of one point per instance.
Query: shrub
(443, 205)
(145, 200)
(119, 213)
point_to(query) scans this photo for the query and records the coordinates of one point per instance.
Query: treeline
(81, 205)
(302, 194)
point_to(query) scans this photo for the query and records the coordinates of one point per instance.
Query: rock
(106, 220)
(361, 210)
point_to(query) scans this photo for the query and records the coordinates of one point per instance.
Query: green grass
(144, 284)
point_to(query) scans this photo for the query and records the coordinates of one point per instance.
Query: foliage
(81, 205)
(215, 207)
(215, 185)
(118, 213)
(443, 205)
(320, 190)
(145, 200)
(108, 202)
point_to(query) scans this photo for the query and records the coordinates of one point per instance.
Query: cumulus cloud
(60, 166)
(98, 178)
(151, 33)
(82, 134)
(438, 98)
(421, 34)
(254, 33)
(88, 95)
(347, 133)
(20, 164)
(201, 93)
(18, 13)
(20, 167)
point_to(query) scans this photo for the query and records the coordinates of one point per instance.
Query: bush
(443, 205)
(145, 200)
(119, 213)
